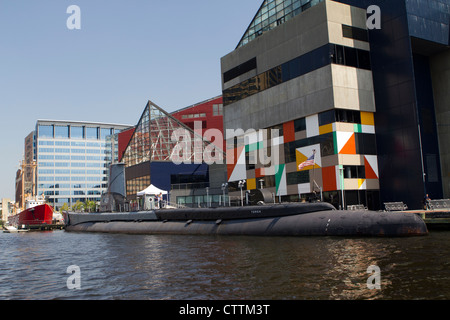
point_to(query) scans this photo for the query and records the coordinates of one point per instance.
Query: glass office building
(73, 159)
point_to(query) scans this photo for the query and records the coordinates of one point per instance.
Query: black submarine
(260, 218)
(288, 219)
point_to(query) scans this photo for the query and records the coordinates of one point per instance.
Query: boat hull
(38, 215)
(309, 223)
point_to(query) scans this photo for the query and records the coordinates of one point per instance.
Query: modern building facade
(73, 159)
(164, 152)
(410, 62)
(371, 105)
(310, 79)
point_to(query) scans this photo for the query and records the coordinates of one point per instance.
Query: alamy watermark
(374, 281)
(189, 148)
(74, 20)
(74, 280)
(374, 20)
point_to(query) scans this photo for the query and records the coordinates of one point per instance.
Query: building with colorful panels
(310, 78)
(375, 101)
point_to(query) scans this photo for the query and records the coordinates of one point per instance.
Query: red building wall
(209, 112)
(124, 138)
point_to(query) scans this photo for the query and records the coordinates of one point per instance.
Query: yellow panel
(326, 128)
(251, 184)
(367, 118)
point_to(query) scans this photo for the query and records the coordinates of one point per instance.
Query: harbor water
(82, 266)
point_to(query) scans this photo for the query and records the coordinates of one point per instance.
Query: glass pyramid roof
(152, 139)
(271, 14)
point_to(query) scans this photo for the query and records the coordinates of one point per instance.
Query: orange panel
(289, 131)
(350, 146)
(370, 173)
(329, 178)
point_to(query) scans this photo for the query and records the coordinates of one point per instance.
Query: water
(146, 267)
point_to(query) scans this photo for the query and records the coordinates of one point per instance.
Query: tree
(90, 206)
(78, 206)
(65, 207)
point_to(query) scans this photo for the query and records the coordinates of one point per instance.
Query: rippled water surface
(34, 266)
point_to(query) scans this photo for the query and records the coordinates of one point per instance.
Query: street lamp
(341, 173)
(224, 187)
(241, 185)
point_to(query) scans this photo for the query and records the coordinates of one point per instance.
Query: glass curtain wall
(73, 161)
(273, 13)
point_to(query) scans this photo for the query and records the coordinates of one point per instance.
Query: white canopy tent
(149, 201)
(151, 190)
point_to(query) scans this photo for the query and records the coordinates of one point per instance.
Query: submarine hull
(319, 223)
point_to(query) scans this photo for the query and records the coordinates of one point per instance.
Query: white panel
(312, 126)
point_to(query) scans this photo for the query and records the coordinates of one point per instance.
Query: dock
(438, 219)
(41, 227)
(45, 227)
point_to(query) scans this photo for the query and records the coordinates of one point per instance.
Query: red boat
(37, 212)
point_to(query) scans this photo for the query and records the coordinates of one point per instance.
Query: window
(365, 143)
(350, 116)
(62, 132)
(364, 59)
(104, 133)
(217, 110)
(327, 117)
(91, 133)
(355, 33)
(351, 59)
(300, 124)
(297, 177)
(290, 154)
(354, 172)
(239, 70)
(76, 132)
(45, 131)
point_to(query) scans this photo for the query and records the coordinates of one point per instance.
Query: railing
(395, 206)
(439, 204)
(356, 207)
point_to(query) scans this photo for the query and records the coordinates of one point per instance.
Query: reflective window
(355, 33)
(45, 131)
(62, 132)
(91, 133)
(296, 67)
(62, 143)
(354, 172)
(300, 124)
(365, 143)
(351, 57)
(297, 177)
(326, 117)
(272, 13)
(104, 133)
(76, 132)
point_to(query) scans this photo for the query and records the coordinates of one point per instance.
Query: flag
(309, 162)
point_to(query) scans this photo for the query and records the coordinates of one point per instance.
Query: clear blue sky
(127, 52)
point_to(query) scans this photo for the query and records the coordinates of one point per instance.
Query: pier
(436, 216)
(43, 227)
(435, 219)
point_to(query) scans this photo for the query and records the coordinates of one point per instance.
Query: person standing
(426, 201)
